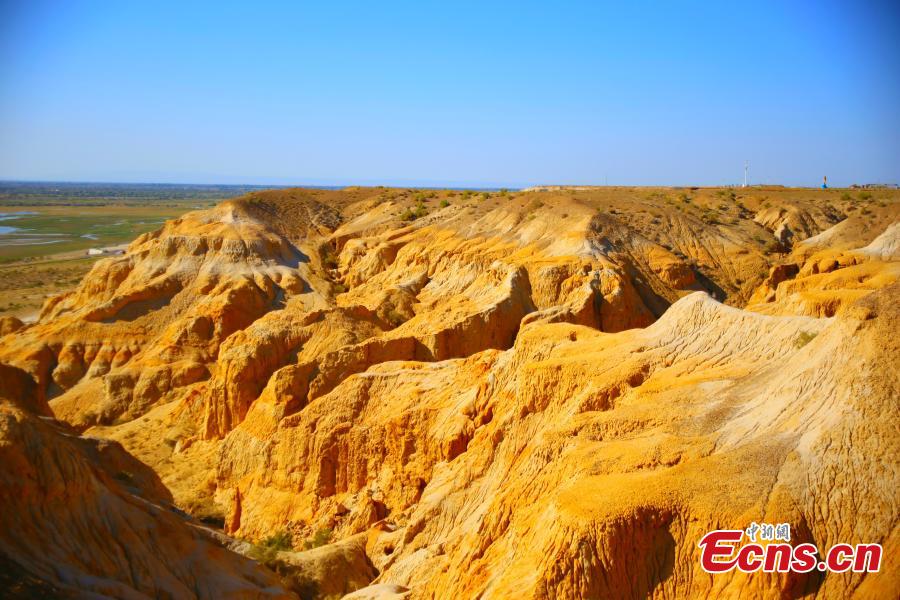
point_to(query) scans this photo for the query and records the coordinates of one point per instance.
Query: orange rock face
(531, 395)
(82, 515)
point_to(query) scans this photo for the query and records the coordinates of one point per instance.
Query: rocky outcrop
(886, 246)
(9, 324)
(537, 394)
(330, 571)
(789, 222)
(82, 517)
(825, 282)
(591, 449)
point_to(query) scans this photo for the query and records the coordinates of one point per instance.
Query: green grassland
(31, 269)
(53, 230)
(46, 230)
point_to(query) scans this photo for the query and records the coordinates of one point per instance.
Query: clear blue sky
(465, 93)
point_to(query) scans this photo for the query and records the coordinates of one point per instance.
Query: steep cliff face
(820, 280)
(440, 380)
(83, 518)
(606, 455)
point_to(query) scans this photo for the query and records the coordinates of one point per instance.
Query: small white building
(105, 251)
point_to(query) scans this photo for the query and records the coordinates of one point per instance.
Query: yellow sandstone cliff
(543, 394)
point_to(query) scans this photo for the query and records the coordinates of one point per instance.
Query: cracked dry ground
(543, 394)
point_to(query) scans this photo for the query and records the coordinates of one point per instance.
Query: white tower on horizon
(746, 173)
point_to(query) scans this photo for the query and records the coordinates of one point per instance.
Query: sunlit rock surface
(534, 394)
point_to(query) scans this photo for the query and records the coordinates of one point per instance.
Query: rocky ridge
(439, 379)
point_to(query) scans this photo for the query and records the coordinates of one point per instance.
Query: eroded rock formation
(537, 394)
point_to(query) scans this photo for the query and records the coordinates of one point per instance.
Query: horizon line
(429, 185)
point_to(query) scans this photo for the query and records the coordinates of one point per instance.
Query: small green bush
(267, 550)
(280, 540)
(444, 203)
(413, 214)
(320, 538)
(804, 338)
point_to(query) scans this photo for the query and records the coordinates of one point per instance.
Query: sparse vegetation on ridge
(803, 338)
(320, 538)
(266, 551)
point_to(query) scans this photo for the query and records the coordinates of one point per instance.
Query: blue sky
(441, 93)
